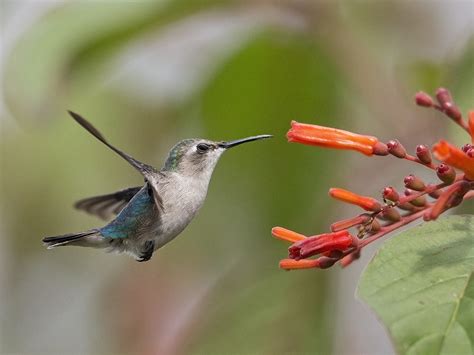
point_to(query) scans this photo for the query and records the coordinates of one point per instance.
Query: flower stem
(387, 229)
(416, 160)
(461, 123)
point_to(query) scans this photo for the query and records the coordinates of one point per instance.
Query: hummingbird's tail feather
(89, 238)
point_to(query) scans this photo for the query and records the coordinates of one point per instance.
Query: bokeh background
(149, 73)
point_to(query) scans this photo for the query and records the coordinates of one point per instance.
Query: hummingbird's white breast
(182, 197)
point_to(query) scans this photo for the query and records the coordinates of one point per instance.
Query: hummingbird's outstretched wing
(106, 206)
(149, 173)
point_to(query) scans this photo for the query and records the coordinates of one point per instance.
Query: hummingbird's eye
(202, 147)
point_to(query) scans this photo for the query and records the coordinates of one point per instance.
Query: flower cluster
(419, 199)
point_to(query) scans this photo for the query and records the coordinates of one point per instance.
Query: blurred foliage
(254, 93)
(216, 288)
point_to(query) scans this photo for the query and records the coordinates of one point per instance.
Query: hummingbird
(148, 217)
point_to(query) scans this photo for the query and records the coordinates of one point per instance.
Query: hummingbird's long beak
(231, 144)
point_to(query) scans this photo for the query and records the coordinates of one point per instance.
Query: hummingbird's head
(197, 156)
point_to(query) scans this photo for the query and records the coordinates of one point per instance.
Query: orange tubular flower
(286, 234)
(334, 138)
(451, 155)
(291, 264)
(367, 203)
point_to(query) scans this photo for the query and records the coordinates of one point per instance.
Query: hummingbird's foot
(147, 251)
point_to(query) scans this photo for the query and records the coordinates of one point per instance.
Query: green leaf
(421, 285)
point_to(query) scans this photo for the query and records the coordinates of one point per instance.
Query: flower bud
(446, 173)
(414, 183)
(406, 206)
(390, 194)
(420, 201)
(452, 111)
(423, 99)
(396, 148)
(391, 214)
(375, 226)
(444, 97)
(423, 154)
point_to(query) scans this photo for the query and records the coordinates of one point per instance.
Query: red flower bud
(414, 183)
(391, 214)
(390, 194)
(423, 99)
(446, 173)
(406, 206)
(423, 154)
(417, 202)
(367, 203)
(396, 148)
(444, 97)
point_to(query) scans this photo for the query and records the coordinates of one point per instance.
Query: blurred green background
(149, 73)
